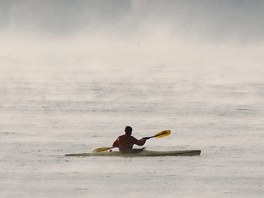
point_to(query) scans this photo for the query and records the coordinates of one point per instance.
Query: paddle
(160, 134)
(157, 135)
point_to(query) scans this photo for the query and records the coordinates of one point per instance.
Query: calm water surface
(48, 112)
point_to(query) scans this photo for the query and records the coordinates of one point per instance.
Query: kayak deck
(144, 153)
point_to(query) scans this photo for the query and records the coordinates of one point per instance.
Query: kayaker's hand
(145, 138)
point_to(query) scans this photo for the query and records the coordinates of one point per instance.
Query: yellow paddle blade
(162, 134)
(102, 149)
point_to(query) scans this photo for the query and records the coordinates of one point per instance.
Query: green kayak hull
(145, 153)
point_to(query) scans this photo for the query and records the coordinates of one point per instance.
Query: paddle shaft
(148, 137)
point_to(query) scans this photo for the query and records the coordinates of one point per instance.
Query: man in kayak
(125, 142)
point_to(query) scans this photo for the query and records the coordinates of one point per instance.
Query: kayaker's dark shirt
(125, 143)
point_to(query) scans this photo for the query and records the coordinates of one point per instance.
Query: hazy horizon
(132, 32)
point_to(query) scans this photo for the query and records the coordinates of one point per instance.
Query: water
(48, 111)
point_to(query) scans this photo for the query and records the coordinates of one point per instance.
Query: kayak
(144, 153)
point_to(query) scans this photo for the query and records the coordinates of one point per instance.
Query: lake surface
(48, 111)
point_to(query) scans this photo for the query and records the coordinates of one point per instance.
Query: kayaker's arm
(116, 143)
(140, 142)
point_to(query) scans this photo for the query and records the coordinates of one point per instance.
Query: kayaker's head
(128, 130)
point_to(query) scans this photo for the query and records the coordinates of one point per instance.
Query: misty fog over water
(73, 74)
